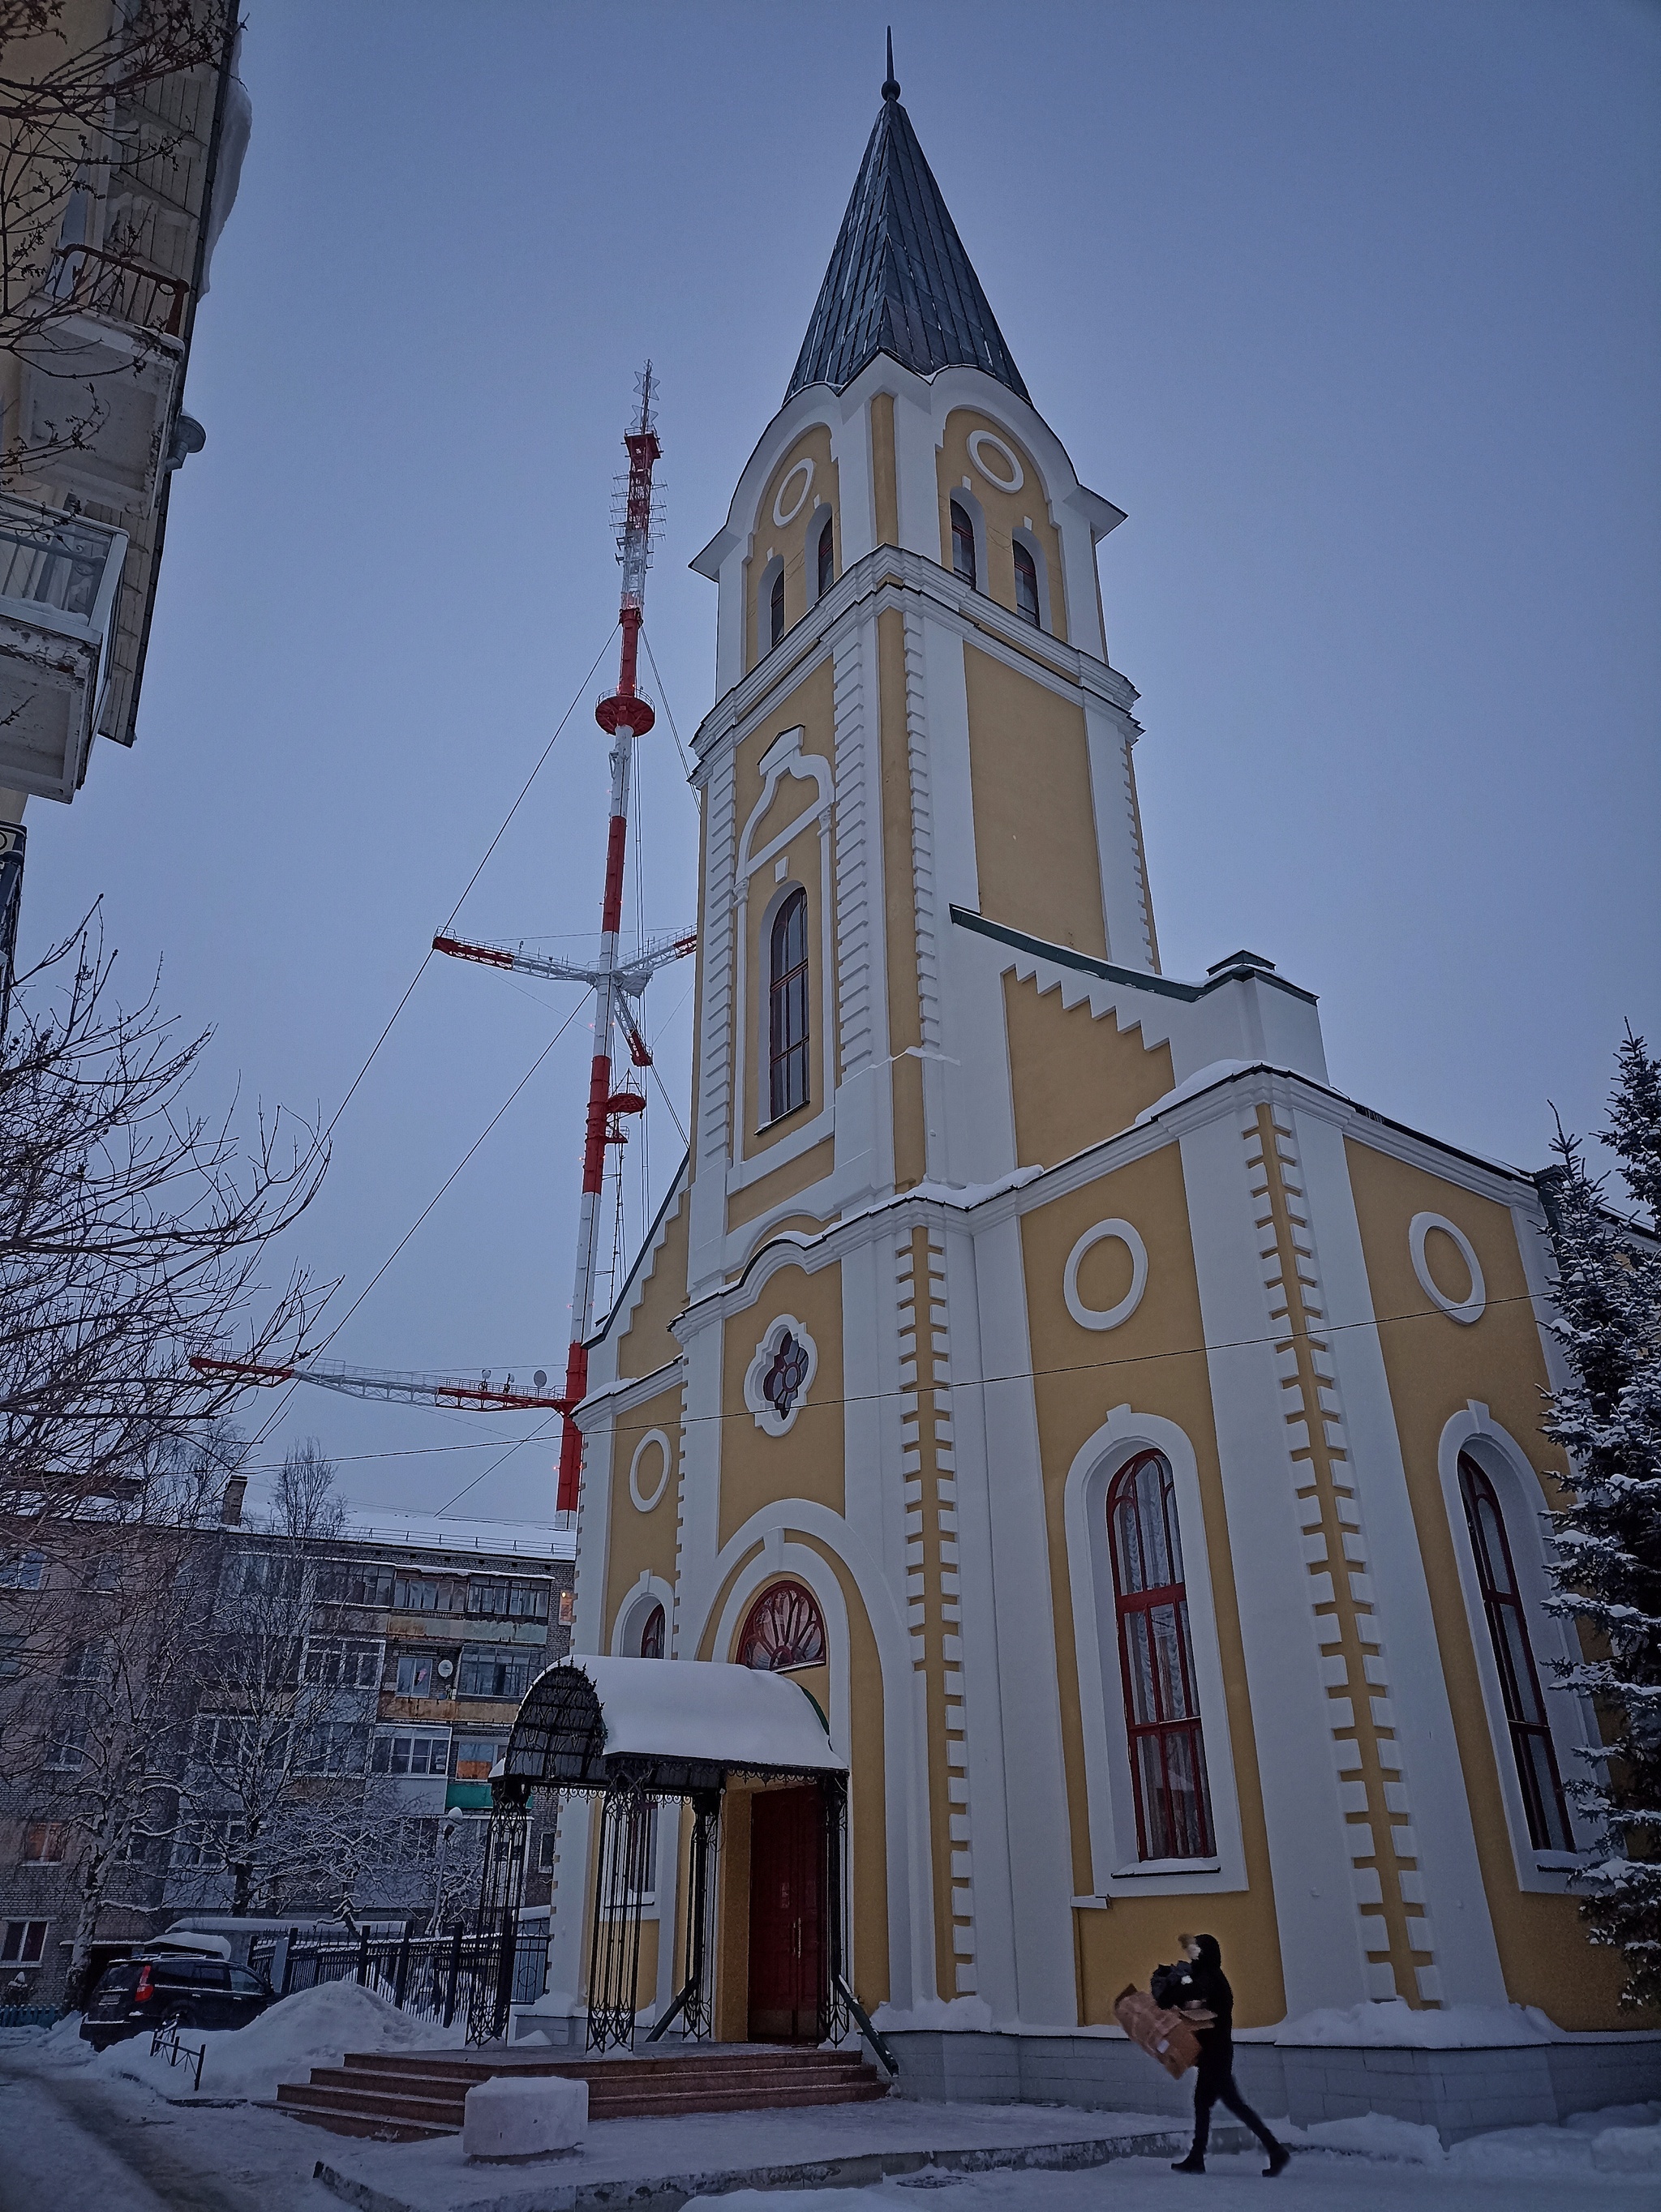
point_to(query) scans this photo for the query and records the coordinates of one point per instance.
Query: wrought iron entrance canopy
(672, 1728)
(631, 1731)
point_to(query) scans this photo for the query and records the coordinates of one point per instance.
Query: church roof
(899, 281)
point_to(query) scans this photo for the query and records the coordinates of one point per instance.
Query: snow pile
(315, 2028)
(1390, 2024)
(1373, 2135)
(959, 2013)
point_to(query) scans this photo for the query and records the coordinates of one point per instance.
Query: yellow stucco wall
(1435, 1366)
(1151, 1362)
(1035, 822)
(1003, 512)
(641, 1540)
(1074, 1079)
(647, 1345)
(787, 542)
(756, 1469)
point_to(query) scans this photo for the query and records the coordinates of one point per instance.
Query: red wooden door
(787, 1915)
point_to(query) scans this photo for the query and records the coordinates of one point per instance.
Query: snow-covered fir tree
(1608, 1420)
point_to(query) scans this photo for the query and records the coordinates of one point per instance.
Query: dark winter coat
(1201, 1981)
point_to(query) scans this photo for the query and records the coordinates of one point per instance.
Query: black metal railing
(465, 1974)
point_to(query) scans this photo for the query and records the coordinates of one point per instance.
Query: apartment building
(346, 1699)
(120, 149)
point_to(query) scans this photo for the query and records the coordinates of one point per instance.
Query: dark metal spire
(899, 281)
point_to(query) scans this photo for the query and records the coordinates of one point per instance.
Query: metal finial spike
(890, 88)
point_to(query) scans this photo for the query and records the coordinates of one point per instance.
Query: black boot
(1194, 2163)
(1279, 2158)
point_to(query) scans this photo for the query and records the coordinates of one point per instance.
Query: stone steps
(410, 2096)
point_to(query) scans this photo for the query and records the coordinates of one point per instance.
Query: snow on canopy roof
(687, 1722)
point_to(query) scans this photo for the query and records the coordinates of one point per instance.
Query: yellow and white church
(1127, 1441)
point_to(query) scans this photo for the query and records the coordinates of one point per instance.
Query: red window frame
(785, 1629)
(963, 547)
(776, 611)
(653, 1634)
(1156, 1663)
(1026, 585)
(787, 1015)
(1531, 1747)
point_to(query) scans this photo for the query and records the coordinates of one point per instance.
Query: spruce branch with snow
(1608, 1420)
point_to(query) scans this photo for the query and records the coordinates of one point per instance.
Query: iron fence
(465, 1974)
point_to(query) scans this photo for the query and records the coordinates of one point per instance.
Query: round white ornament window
(1119, 1232)
(1474, 1305)
(1004, 471)
(644, 1464)
(787, 508)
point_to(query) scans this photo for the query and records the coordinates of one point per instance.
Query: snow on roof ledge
(709, 1710)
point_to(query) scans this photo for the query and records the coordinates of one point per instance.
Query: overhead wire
(281, 1406)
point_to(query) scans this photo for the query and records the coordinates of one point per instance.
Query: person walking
(1201, 1992)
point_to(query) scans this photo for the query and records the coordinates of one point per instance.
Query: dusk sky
(1352, 308)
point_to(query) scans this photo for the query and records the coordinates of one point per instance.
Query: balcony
(99, 375)
(59, 573)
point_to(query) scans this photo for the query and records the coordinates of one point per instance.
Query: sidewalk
(656, 2166)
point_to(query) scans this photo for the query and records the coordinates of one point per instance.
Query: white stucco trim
(1112, 1812)
(1104, 1317)
(1571, 1722)
(639, 1496)
(1474, 1305)
(905, 1749)
(632, 1612)
(768, 1418)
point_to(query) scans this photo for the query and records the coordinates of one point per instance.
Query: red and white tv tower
(624, 714)
(616, 984)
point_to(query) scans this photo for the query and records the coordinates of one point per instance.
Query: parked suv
(141, 1993)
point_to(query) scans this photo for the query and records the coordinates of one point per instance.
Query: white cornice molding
(889, 577)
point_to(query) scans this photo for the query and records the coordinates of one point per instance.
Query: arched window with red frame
(785, 1629)
(787, 1012)
(776, 610)
(962, 545)
(653, 1634)
(1156, 1660)
(1026, 585)
(1531, 1746)
(827, 560)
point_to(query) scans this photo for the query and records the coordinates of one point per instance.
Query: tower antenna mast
(623, 715)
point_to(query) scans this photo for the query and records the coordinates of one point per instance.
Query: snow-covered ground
(120, 2132)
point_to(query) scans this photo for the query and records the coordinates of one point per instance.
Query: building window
(567, 1607)
(1519, 1682)
(66, 1751)
(415, 1674)
(83, 1663)
(346, 1583)
(1026, 585)
(416, 1594)
(962, 545)
(785, 1629)
(653, 1635)
(45, 1843)
(827, 559)
(476, 1755)
(23, 1943)
(509, 1600)
(1156, 1660)
(402, 1755)
(486, 1672)
(333, 1748)
(547, 1844)
(24, 1571)
(346, 1665)
(787, 1020)
(776, 610)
